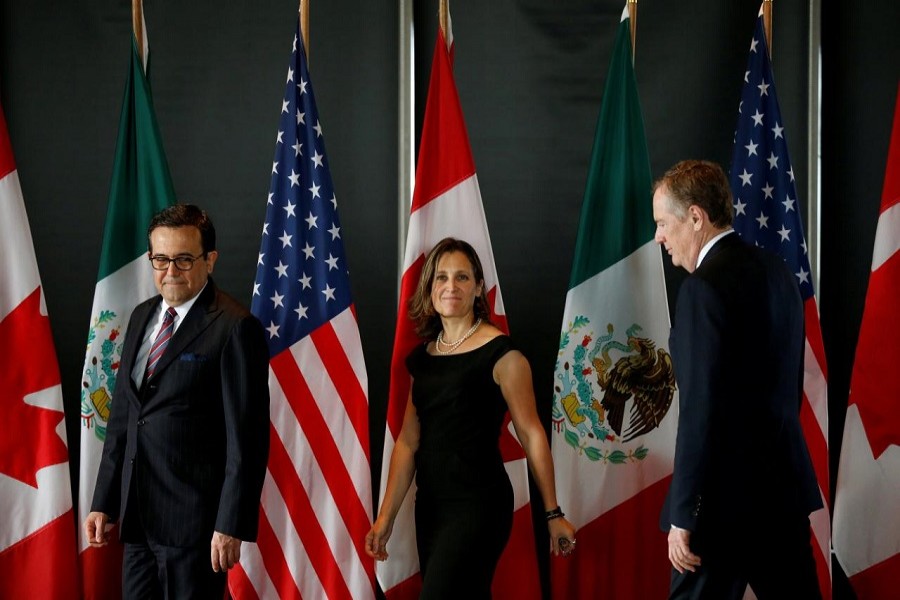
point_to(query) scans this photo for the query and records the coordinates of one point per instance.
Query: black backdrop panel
(530, 76)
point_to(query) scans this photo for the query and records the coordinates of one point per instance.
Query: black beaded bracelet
(554, 514)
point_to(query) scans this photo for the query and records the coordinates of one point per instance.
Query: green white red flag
(140, 187)
(614, 406)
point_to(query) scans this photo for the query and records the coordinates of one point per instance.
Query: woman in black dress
(464, 379)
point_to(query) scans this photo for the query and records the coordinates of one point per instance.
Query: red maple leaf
(28, 438)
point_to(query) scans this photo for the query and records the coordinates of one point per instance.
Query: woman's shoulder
(498, 344)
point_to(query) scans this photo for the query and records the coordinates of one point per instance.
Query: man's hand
(680, 554)
(96, 529)
(225, 551)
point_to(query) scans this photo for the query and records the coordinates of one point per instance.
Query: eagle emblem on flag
(100, 375)
(610, 390)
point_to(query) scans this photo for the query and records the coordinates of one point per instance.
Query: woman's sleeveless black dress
(464, 502)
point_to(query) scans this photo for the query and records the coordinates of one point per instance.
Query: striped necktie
(161, 341)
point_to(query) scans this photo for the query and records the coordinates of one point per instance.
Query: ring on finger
(566, 546)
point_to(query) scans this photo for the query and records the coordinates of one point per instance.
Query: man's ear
(697, 216)
(211, 258)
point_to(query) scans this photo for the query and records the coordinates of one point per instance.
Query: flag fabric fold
(866, 519)
(767, 213)
(613, 452)
(316, 505)
(140, 187)
(447, 202)
(38, 535)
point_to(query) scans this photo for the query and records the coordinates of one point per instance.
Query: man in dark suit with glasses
(185, 453)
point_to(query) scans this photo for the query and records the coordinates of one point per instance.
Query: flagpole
(138, 27)
(304, 27)
(632, 21)
(444, 16)
(767, 24)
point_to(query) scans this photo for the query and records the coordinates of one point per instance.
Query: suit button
(131, 461)
(142, 422)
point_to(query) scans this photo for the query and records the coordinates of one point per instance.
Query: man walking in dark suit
(737, 511)
(185, 453)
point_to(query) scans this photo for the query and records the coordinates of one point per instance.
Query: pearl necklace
(452, 347)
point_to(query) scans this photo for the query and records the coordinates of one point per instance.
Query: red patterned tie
(161, 341)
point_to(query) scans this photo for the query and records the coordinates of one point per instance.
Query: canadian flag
(867, 500)
(447, 203)
(37, 540)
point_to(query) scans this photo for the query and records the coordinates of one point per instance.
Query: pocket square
(191, 357)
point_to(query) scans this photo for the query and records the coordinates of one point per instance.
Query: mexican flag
(141, 186)
(614, 405)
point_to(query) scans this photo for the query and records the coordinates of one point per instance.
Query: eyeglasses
(183, 262)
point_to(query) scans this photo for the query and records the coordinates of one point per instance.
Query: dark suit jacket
(737, 345)
(186, 454)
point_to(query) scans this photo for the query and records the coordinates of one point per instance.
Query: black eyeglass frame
(187, 261)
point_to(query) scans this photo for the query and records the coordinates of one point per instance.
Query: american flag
(767, 212)
(317, 498)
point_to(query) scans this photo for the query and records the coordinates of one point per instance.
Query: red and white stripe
(37, 539)
(866, 515)
(316, 500)
(447, 202)
(814, 421)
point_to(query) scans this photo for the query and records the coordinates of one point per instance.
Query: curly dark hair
(421, 309)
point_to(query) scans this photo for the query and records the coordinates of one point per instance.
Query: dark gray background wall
(530, 75)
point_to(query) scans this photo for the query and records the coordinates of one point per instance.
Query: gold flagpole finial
(304, 27)
(767, 24)
(137, 25)
(444, 18)
(632, 24)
